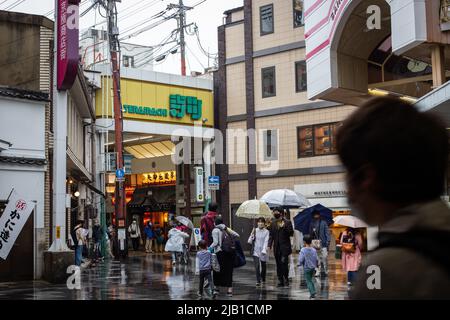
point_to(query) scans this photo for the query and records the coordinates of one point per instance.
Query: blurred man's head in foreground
(394, 155)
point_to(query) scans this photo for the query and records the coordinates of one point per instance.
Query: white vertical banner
(199, 184)
(12, 221)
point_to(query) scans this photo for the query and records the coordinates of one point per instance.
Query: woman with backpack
(352, 244)
(224, 247)
(135, 234)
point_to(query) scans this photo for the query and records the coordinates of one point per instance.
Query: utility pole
(119, 205)
(186, 166)
(182, 24)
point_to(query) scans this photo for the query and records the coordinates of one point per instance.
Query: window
(300, 76)
(270, 143)
(268, 82)
(266, 19)
(299, 19)
(128, 61)
(317, 140)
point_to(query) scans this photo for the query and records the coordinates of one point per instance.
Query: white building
(94, 50)
(22, 168)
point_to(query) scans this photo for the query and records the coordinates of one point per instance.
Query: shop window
(317, 140)
(266, 19)
(268, 82)
(300, 76)
(270, 145)
(299, 19)
(128, 61)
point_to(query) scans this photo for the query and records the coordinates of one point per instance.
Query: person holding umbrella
(280, 232)
(320, 235)
(352, 245)
(259, 239)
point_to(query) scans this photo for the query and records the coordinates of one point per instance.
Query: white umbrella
(253, 209)
(185, 221)
(350, 221)
(285, 198)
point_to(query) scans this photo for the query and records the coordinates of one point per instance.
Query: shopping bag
(197, 266)
(215, 263)
(291, 268)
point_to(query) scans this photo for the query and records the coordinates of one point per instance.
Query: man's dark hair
(202, 244)
(213, 207)
(307, 239)
(407, 149)
(218, 220)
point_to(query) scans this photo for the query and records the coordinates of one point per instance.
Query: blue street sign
(120, 173)
(213, 182)
(213, 179)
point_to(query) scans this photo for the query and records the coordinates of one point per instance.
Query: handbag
(348, 247)
(215, 263)
(291, 268)
(316, 244)
(239, 257)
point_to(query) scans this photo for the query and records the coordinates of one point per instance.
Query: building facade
(261, 84)
(167, 119)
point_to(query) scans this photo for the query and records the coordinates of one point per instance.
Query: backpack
(228, 242)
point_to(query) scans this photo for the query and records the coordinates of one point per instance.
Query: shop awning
(437, 101)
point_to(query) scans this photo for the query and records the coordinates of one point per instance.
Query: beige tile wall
(237, 16)
(283, 25)
(287, 135)
(236, 89)
(264, 185)
(285, 80)
(238, 146)
(234, 39)
(238, 191)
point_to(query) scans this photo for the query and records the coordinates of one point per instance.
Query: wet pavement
(152, 276)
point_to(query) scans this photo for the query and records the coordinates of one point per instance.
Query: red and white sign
(12, 221)
(68, 41)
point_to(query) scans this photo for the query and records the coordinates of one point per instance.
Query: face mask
(260, 225)
(277, 215)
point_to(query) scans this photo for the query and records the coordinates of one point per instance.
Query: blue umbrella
(302, 221)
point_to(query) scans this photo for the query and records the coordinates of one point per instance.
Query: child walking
(309, 260)
(205, 267)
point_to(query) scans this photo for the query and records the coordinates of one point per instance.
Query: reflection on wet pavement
(153, 277)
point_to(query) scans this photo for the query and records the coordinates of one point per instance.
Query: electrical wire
(3, 2)
(15, 4)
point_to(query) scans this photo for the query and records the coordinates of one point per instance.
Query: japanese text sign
(12, 221)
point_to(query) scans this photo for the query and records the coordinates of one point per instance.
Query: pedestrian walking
(205, 267)
(175, 243)
(110, 234)
(309, 260)
(352, 244)
(280, 232)
(97, 235)
(135, 234)
(80, 241)
(259, 239)
(159, 237)
(320, 235)
(149, 237)
(207, 223)
(224, 247)
(396, 159)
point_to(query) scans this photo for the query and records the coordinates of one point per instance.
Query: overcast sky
(208, 16)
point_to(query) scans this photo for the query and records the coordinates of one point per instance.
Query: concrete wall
(24, 127)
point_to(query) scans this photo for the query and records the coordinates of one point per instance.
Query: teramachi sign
(67, 37)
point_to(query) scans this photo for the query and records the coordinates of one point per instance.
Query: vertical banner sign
(68, 33)
(12, 221)
(199, 184)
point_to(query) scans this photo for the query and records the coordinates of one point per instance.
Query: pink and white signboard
(68, 41)
(324, 21)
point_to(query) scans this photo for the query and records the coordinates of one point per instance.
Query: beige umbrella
(254, 209)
